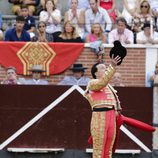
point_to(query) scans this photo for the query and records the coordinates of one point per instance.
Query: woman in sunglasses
(41, 35)
(144, 10)
(142, 16)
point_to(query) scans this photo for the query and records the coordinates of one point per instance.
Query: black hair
(20, 18)
(122, 19)
(24, 6)
(94, 69)
(146, 24)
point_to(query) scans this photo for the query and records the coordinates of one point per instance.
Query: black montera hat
(118, 50)
(78, 67)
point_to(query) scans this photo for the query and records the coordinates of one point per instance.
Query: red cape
(120, 119)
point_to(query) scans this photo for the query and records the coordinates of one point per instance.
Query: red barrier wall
(67, 125)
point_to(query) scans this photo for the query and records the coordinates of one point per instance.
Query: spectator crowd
(83, 21)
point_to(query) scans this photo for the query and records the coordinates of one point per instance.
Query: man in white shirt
(121, 33)
(11, 76)
(99, 15)
(145, 36)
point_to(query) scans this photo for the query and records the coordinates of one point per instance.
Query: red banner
(55, 57)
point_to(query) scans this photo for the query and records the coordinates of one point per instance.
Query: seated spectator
(1, 35)
(96, 14)
(52, 17)
(154, 9)
(43, 4)
(109, 6)
(18, 33)
(17, 3)
(1, 32)
(11, 76)
(29, 20)
(96, 38)
(1, 21)
(142, 16)
(96, 34)
(98, 48)
(121, 33)
(76, 16)
(146, 37)
(154, 78)
(117, 80)
(41, 35)
(36, 76)
(68, 35)
(77, 78)
(82, 4)
(129, 10)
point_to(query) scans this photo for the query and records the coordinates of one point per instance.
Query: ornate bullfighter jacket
(99, 92)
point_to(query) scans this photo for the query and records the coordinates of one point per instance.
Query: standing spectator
(17, 3)
(29, 20)
(129, 10)
(96, 14)
(18, 33)
(68, 34)
(76, 16)
(11, 76)
(77, 78)
(36, 76)
(121, 33)
(109, 5)
(52, 17)
(82, 4)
